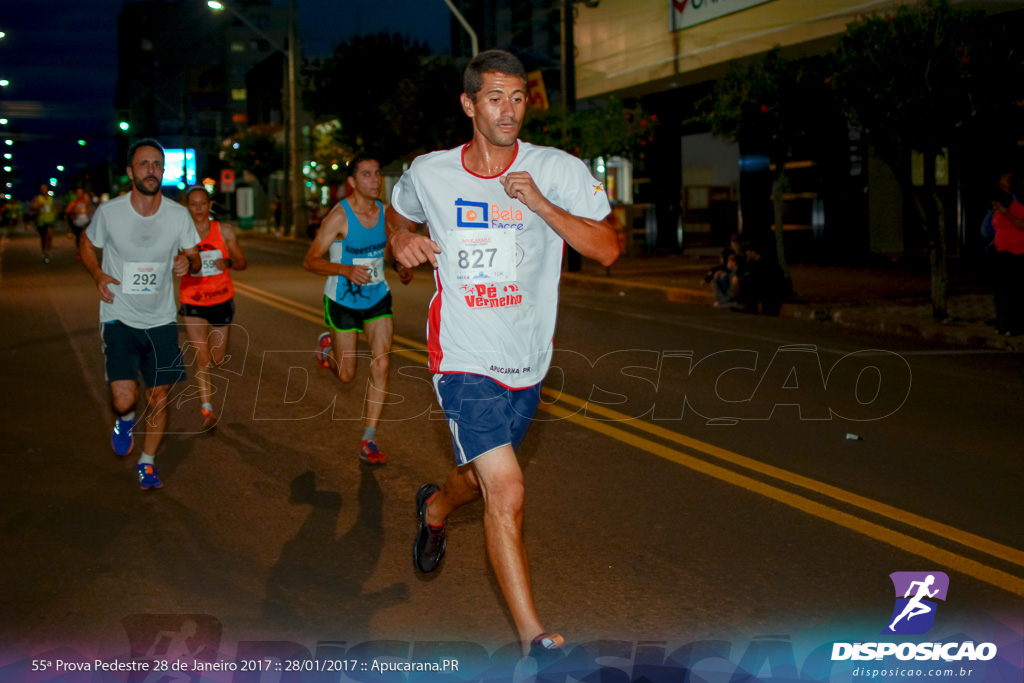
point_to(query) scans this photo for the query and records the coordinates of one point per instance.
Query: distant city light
(8, 142)
(213, 4)
(10, 184)
(8, 155)
(4, 82)
(334, 167)
(123, 125)
(2, 34)
(7, 168)
(60, 168)
(53, 182)
(82, 143)
(3, 122)
(235, 146)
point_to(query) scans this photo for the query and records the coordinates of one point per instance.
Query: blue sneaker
(149, 478)
(122, 440)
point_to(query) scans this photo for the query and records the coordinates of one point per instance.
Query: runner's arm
(333, 227)
(594, 239)
(410, 249)
(237, 256)
(187, 261)
(404, 274)
(92, 265)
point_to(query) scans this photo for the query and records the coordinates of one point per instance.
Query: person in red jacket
(207, 297)
(1008, 223)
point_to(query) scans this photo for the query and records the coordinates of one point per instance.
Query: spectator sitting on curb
(721, 278)
(759, 284)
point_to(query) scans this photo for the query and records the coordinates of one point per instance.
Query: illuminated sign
(179, 167)
(686, 13)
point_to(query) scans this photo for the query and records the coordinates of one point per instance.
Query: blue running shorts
(483, 415)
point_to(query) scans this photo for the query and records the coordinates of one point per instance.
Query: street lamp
(293, 177)
(474, 45)
(4, 82)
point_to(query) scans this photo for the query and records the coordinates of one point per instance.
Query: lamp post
(474, 44)
(293, 175)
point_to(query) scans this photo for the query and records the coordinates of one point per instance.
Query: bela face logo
(470, 214)
(916, 592)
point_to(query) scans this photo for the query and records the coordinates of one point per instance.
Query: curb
(611, 285)
(852, 319)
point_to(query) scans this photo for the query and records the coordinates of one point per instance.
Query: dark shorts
(343, 319)
(483, 415)
(218, 315)
(154, 352)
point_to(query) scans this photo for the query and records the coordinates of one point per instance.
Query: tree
(255, 151)
(390, 97)
(605, 127)
(773, 104)
(906, 78)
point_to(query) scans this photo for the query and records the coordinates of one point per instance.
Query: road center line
(946, 558)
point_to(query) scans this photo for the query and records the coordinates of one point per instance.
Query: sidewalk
(891, 301)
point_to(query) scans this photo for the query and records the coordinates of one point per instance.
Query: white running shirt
(497, 280)
(139, 251)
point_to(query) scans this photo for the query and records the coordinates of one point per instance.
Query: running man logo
(914, 611)
(470, 214)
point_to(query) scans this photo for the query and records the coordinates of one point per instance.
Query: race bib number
(139, 277)
(484, 255)
(375, 266)
(209, 261)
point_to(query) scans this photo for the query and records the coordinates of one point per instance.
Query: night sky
(60, 57)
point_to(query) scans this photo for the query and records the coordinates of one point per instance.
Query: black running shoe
(428, 549)
(544, 645)
(547, 655)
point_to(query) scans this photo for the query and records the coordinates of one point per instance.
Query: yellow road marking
(943, 557)
(972, 568)
(962, 537)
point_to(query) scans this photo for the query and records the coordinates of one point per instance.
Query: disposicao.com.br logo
(913, 614)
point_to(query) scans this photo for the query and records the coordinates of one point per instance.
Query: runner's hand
(359, 275)
(181, 265)
(221, 264)
(519, 185)
(404, 274)
(102, 285)
(411, 249)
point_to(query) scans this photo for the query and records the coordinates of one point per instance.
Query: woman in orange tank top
(207, 297)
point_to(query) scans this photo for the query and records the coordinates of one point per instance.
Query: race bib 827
(484, 255)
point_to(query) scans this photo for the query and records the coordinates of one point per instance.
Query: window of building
(238, 94)
(238, 47)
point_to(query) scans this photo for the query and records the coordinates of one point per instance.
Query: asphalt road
(694, 474)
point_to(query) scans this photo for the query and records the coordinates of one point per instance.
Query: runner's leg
(378, 333)
(124, 393)
(156, 418)
(501, 483)
(198, 330)
(343, 354)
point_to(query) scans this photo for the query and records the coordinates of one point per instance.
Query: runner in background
(207, 298)
(356, 296)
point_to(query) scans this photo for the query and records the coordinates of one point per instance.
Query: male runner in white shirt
(497, 212)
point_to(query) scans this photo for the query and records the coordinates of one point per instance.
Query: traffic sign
(227, 180)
